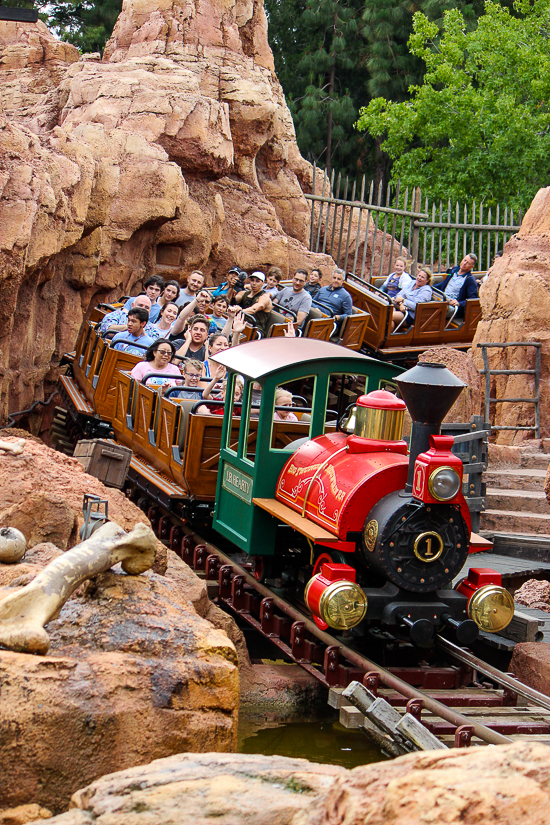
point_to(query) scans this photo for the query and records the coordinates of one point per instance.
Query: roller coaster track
(511, 709)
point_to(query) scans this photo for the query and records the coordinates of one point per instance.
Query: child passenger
(283, 398)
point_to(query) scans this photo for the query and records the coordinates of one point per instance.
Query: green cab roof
(256, 359)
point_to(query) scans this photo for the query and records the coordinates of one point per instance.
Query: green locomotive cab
(259, 435)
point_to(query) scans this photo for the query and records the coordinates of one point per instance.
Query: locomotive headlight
(444, 483)
(491, 608)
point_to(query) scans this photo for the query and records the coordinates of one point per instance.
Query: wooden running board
(307, 528)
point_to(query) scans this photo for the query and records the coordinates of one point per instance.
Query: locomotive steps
(517, 515)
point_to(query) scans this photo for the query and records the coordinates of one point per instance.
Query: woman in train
(168, 315)
(157, 359)
(397, 279)
(216, 343)
(419, 292)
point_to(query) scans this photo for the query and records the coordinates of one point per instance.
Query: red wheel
(258, 568)
(324, 558)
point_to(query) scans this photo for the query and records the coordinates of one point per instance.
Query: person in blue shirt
(419, 292)
(116, 321)
(460, 284)
(397, 279)
(234, 284)
(335, 297)
(135, 334)
(152, 287)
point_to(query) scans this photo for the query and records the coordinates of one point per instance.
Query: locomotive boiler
(401, 524)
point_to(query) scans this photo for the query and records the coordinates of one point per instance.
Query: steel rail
(492, 673)
(387, 678)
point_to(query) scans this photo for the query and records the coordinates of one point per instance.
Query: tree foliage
(316, 47)
(86, 24)
(479, 124)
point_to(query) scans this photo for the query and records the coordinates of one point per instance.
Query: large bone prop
(23, 614)
(15, 447)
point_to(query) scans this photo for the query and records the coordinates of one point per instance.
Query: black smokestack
(429, 391)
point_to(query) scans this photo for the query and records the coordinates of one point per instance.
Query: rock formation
(504, 785)
(175, 151)
(136, 669)
(470, 400)
(515, 301)
(534, 593)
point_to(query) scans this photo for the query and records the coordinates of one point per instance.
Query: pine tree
(87, 25)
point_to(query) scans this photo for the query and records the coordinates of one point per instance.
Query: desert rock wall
(515, 301)
(175, 151)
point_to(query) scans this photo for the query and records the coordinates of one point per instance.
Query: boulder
(50, 510)
(533, 593)
(133, 673)
(530, 664)
(504, 785)
(515, 302)
(139, 667)
(470, 400)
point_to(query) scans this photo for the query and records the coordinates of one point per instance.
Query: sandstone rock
(175, 151)
(530, 664)
(470, 400)
(504, 785)
(133, 673)
(507, 785)
(52, 510)
(23, 814)
(515, 301)
(199, 788)
(533, 592)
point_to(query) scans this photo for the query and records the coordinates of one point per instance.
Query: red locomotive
(402, 524)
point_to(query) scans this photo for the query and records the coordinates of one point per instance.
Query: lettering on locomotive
(238, 483)
(371, 533)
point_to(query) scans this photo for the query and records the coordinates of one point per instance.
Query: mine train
(329, 503)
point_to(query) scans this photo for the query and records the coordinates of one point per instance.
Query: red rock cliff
(175, 151)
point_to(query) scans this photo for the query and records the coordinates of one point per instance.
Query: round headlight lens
(444, 483)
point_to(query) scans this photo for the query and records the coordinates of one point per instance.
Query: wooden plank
(301, 525)
(523, 628)
(416, 733)
(351, 717)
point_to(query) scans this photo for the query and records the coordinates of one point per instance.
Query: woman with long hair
(168, 315)
(216, 343)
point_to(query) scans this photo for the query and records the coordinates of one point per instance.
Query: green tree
(315, 49)
(87, 25)
(479, 123)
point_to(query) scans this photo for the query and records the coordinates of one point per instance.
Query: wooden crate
(104, 459)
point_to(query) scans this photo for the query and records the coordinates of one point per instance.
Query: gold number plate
(428, 546)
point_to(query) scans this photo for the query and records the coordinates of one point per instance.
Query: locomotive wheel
(260, 568)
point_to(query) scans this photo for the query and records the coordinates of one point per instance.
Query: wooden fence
(364, 234)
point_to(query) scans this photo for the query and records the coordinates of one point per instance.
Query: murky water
(319, 740)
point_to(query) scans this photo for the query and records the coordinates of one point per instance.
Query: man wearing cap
(231, 287)
(255, 301)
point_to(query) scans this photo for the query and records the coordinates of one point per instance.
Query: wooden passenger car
(430, 326)
(177, 451)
